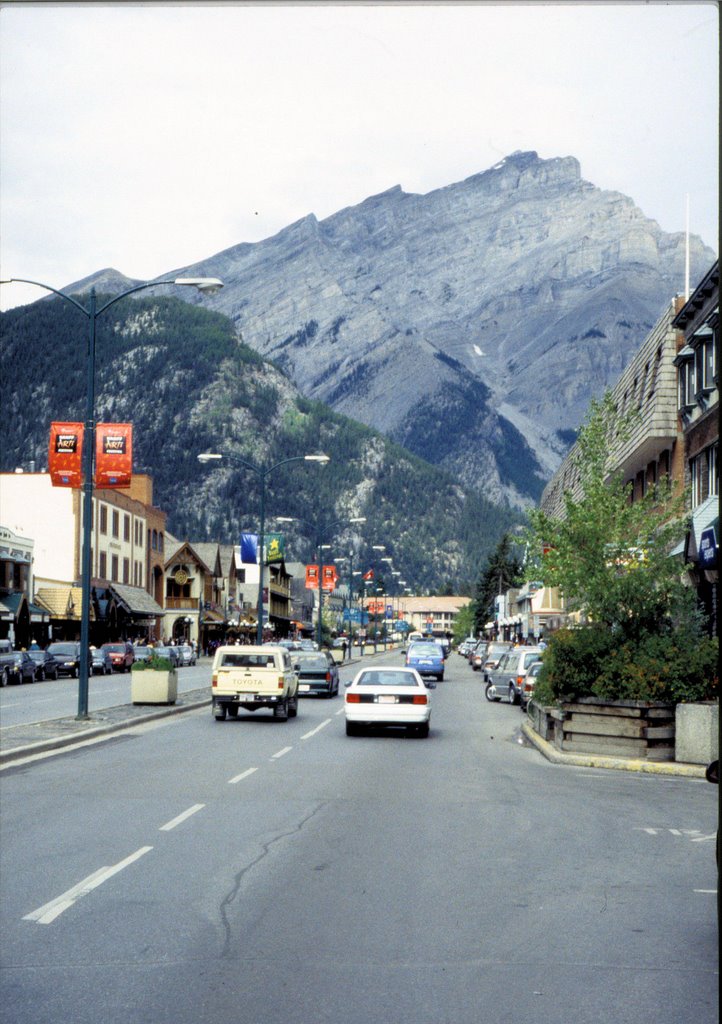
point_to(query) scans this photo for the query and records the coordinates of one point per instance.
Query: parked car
(46, 667)
(492, 655)
(527, 691)
(67, 655)
(142, 652)
(388, 696)
(172, 653)
(187, 654)
(121, 654)
(307, 645)
(317, 673)
(427, 658)
(101, 662)
(21, 668)
(477, 654)
(506, 681)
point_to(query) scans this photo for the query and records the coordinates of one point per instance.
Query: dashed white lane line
(243, 775)
(181, 817)
(318, 728)
(280, 753)
(49, 911)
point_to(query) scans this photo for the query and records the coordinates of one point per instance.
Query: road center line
(318, 728)
(243, 775)
(181, 817)
(280, 753)
(49, 911)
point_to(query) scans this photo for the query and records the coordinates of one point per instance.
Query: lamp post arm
(130, 291)
(47, 287)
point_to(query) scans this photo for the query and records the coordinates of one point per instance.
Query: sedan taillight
(421, 699)
(353, 698)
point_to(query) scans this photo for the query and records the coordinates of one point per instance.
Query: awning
(212, 618)
(62, 602)
(136, 601)
(702, 534)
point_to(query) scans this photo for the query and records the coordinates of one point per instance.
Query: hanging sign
(275, 546)
(329, 577)
(65, 454)
(113, 454)
(312, 577)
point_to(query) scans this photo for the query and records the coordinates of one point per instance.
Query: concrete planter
(149, 686)
(697, 733)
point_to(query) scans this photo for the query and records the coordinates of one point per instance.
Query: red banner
(113, 454)
(65, 454)
(329, 577)
(312, 577)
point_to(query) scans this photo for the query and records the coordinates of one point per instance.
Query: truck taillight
(281, 681)
(328, 677)
(214, 680)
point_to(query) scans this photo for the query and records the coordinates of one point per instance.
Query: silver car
(506, 681)
(188, 655)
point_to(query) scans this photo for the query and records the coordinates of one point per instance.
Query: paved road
(259, 872)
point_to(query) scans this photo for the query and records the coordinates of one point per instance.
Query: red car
(121, 654)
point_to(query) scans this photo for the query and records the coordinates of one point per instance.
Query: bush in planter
(677, 666)
(154, 663)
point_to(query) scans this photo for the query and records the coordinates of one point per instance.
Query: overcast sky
(146, 138)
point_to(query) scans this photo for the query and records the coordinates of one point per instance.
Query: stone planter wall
(697, 733)
(148, 686)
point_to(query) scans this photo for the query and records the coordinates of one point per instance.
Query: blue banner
(249, 548)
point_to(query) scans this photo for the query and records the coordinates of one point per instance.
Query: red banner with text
(312, 577)
(113, 454)
(65, 454)
(329, 577)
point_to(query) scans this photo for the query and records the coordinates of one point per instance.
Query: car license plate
(304, 687)
(245, 696)
(387, 698)
(426, 662)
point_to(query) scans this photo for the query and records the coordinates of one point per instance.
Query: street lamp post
(92, 312)
(262, 472)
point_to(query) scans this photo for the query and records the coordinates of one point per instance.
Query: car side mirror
(348, 682)
(297, 667)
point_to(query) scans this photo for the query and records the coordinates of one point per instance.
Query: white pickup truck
(253, 678)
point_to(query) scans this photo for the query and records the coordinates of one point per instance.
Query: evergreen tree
(503, 570)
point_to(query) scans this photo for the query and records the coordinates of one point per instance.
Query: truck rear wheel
(219, 712)
(280, 711)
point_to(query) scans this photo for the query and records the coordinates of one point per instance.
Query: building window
(126, 570)
(712, 471)
(241, 575)
(155, 540)
(126, 528)
(685, 382)
(115, 529)
(103, 519)
(160, 542)
(114, 569)
(695, 481)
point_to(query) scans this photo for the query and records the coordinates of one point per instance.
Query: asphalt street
(256, 872)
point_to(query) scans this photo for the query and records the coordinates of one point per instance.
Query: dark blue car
(427, 658)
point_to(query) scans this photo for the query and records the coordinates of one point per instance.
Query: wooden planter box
(149, 686)
(620, 728)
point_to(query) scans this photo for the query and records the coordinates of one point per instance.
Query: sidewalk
(39, 737)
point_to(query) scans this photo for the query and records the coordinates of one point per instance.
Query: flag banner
(369, 575)
(65, 454)
(312, 577)
(275, 547)
(329, 577)
(249, 548)
(113, 454)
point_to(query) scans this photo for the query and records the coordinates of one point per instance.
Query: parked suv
(507, 679)
(121, 654)
(67, 655)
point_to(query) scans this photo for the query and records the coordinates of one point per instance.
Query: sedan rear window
(428, 650)
(387, 679)
(313, 661)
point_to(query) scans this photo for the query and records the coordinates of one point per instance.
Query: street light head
(317, 458)
(285, 519)
(207, 285)
(378, 547)
(358, 519)
(209, 457)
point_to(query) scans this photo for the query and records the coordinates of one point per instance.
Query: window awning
(705, 518)
(136, 601)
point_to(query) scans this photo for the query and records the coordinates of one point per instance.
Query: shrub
(155, 663)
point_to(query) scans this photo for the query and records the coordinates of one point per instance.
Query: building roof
(433, 604)
(62, 602)
(136, 601)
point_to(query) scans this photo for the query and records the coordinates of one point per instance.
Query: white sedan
(388, 696)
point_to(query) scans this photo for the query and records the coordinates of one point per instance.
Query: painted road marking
(317, 729)
(243, 775)
(49, 911)
(280, 753)
(181, 817)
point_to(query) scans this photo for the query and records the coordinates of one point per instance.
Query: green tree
(611, 559)
(464, 623)
(503, 570)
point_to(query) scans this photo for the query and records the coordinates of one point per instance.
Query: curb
(550, 752)
(58, 742)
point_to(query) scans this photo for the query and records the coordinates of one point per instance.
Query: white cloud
(146, 138)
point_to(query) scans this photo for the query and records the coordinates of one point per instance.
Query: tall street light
(319, 548)
(92, 312)
(262, 472)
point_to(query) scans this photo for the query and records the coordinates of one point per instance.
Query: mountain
(472, 324)
(179, 374)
